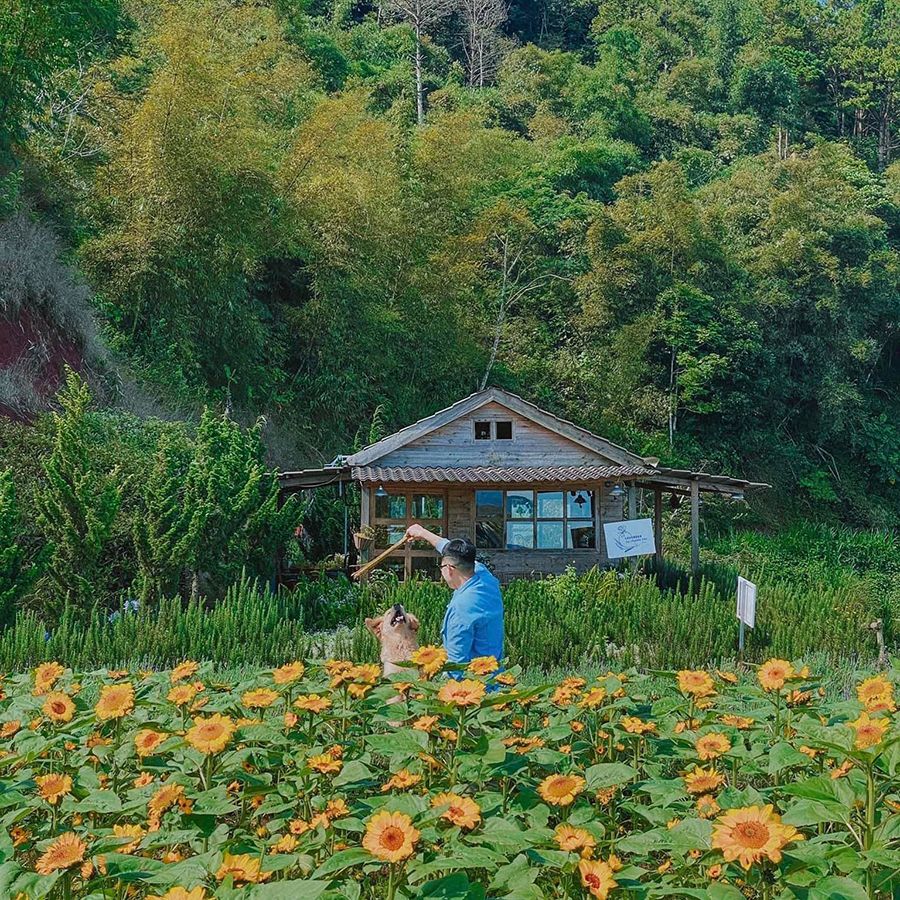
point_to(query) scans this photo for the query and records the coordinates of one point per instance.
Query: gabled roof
(512, 402)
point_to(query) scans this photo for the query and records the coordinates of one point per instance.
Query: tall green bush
(17, 571)
(77, 507)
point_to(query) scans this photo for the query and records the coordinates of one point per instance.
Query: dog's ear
(413, 621)
(374, 625)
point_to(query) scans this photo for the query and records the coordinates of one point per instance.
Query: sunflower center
(592, 880)
(752, 834)
(559, 787)
(392, 838)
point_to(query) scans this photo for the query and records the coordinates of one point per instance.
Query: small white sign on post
(630, 538)
(746, 602)
(746, 610)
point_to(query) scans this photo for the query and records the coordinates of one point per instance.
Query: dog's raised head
(397, 632)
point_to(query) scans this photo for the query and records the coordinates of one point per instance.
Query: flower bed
(327, 781)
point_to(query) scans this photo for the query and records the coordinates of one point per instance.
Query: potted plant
(363, 538)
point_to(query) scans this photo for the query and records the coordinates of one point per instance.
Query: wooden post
(632, 501)
(695, 527)
(365, 515)
(657, 525)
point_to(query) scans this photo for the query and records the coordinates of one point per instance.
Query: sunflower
(561, 790)
(53, 787)
(168, 795)
(461, 811)
(135, 832)
(773, 674)
(430, 660)
(287, 843)
(506, 678)
(401, 781)
(876, 694)
(728, 677)
(210, 735)
(8, 729)
(66, 851)
(116, 701)
(462, 693)
(142, 780)
(483, 665)
(425, 723)
(695, 683)
(184, 670)
(390, 836)
(312, 703)
(712, 745)
(593, 698)
(147, 740)
(182, 694)
(325, 763)
(367, 673)
(597, 877)
(702, 781)
(58, 707)
(707, 806)
(180, 893)
(337, 808)
(288, 673)
(45, 676)
(869, 732)
(243, 868)
(634, 725)
(752, 833)
(574, 840)
(259, 699)
(742, 723)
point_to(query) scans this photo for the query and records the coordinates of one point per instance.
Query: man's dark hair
(460, 553)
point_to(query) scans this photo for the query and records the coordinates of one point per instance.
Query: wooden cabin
(530, 489)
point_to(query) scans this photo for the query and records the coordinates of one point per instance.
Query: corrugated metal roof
(494, 474)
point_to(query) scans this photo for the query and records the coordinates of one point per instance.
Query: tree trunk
(420, 91)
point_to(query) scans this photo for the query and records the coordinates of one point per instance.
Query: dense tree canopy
(678, 223)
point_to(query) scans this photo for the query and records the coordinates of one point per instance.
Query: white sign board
(631, 538)
(746, 602)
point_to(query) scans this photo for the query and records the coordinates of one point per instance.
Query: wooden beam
(657, 525)
(695, 527)
(632, 501)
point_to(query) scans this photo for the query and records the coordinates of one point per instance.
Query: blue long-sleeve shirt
(473, 621)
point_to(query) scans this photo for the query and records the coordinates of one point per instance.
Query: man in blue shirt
(473, 621)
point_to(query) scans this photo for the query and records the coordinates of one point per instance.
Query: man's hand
(416, 532)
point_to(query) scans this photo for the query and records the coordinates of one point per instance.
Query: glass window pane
(520, 504)
(489, 533)
(488, 503)
(394, 533)
(549, 535)
(581, 504)
(391, 507)
(428, 506)
(424, 545)
(504, 431)
(482, 431)
(550, 505)
(580, 537)
(519, 535)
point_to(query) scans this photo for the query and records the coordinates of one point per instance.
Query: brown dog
(397, 632)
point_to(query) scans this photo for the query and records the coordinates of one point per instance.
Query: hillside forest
(676, 222)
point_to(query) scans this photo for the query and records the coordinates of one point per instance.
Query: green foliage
(77, 506)
(17, 571)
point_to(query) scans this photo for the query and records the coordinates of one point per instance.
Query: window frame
(492, 427)
(564, 519)
(409, 551)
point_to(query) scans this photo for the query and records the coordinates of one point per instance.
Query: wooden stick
(381, 556)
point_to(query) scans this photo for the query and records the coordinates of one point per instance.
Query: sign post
(746, 610)
(633, 537)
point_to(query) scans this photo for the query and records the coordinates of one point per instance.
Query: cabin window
(542, 520)
(394, 514)
(482, 431)
(489, 430)
(504, 431)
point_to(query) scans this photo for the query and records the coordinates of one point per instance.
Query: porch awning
(494, 474)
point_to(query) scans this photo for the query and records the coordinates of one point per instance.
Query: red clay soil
(19, 336)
